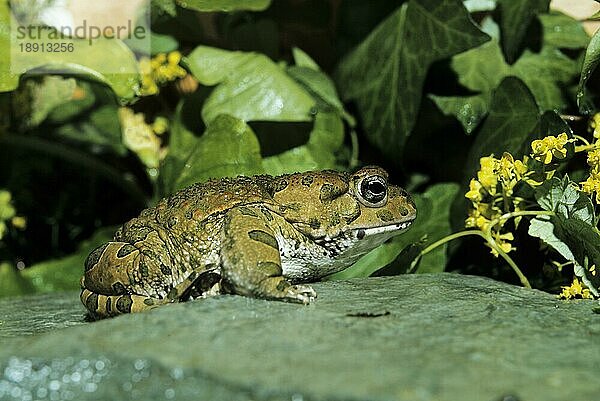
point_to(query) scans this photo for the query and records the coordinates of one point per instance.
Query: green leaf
(479, 5)
(87, 61)
(546, 73)
(8, 81)
(562, 31)
(590, 61)
(319, 86)
(100, 128)
(81, 100)
(41, 96)
(384, 75)
(182, 143)
(468, 110)
(512, 119)
(227, 148)
(160, 7)
(576, 241)
(515, 17)
(161, 43)
(63, 274)
(565, 198)
(224, 5)
(432, 223)
(325, 141)
(308, 74)
(252, 87)
(301, 59)
(12, 282)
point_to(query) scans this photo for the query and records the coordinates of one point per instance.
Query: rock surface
(411, 337)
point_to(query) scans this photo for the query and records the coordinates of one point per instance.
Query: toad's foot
(303, 294)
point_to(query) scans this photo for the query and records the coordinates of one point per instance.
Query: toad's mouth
(396, 228)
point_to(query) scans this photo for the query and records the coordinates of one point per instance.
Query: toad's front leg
(250, 259)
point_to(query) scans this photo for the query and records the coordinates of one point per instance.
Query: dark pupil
(373, 190)
(376, 188)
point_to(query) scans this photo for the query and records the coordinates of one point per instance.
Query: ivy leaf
(63, 274)
(99, 128)
(319, 86)
(563, 32)
(433, 211)
(182, 143)
(576, 241)
(301, 59)
(251, 87)
(384, 75)
(224, 5)
(479, 5)
(12, 282)
(432, 224)
(513, 117)
(160, 7)
(515, 17)
(590, 61)
(119, 71)
(570, 232)
(325, 141)
(565, 198)
(227, 148)
(308, 74)
(480, 70)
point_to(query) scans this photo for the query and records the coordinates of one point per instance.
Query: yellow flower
(506, 167)
(19, 222)
(140, 138)
(474, 193)
(487, 174)
(159, 70)
(174, 58)
(148, 85)
(575, 290)
(510, 172)
(591, 185)
(7, 211)
(160, 125)
(521, 167)
(593, 159)
(479, 217)
(546, 148)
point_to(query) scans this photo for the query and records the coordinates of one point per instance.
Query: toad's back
(160, 253)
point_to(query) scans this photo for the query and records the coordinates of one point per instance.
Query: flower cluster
(551, 147)
(8, 213)
(592, 184)
(142, 138)
(491, 196)
(159, 70)
(492, 192)
(575, 291)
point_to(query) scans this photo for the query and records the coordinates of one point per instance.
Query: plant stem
(582, 139)
(488, 237)
(587, 147)
(449, 238)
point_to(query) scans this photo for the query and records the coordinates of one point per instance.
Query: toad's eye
(372, 191)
